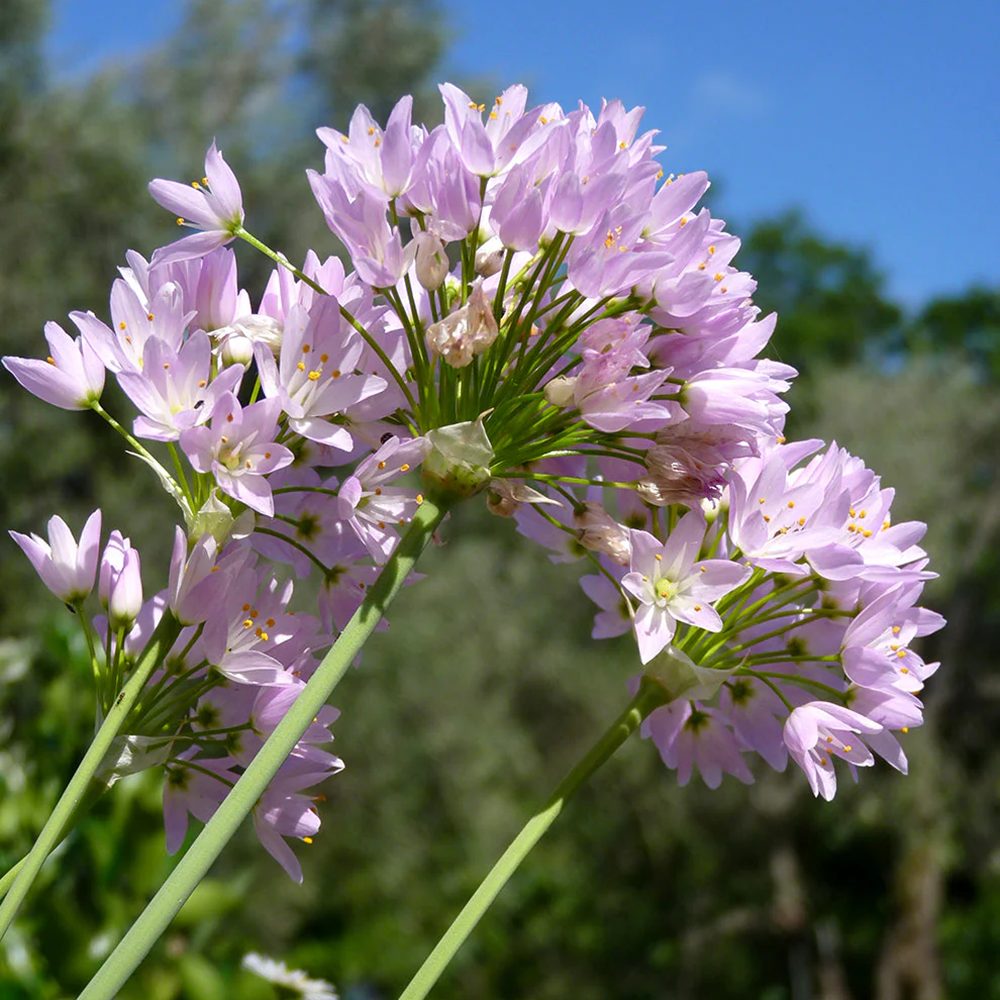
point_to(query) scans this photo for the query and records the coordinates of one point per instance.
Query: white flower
(292, 979)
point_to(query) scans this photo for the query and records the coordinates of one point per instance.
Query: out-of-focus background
(855, 148)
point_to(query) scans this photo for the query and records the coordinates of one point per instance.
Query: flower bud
(559, 391)
(447, 338)
(482, 322)
(469, 331)
(489, 258)
(652, 493)
(504, 496)
(236, 349)
(431, 261)
(236, 341)
(600, 532)
(125, 599)
(112, 562)
(458, 464)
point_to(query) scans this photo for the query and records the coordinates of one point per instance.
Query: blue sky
(880, 120)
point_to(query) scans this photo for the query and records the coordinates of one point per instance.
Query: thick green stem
(79, 785)
(649, 697)
(254, 781)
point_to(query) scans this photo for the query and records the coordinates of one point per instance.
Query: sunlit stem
(97, 408)
(179, 466)
(649, 697)
(808, 682)
(88, 634)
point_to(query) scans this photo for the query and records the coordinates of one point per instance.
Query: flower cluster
(534, 311)
(781, 615)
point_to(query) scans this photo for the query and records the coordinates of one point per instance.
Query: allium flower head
(531, 309)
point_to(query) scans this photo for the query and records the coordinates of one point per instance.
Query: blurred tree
(829, 295)
(372, 51)
(967, 324)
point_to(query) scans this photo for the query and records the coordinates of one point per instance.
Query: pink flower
(283, 812)
(119, 582)
(66, 568)
(367, 505)
(72, 377)
(818, 732)
(197, 583)
(239, 450)
(213, 205)
(173, 390)
(671, 586)
(689, 736)
(315, 375)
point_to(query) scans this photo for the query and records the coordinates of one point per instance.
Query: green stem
(7, 880)
(649, 697)
(254, 781)
(70, 800)
(144, 452)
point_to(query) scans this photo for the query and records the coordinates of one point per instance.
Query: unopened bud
(600, 532)
(504, 496)
(465, 333)
(489, 258)
(125, 599)
(236, 349)
(431, 261)
(482, 322)
(236, 341)
(559, 391)
(112, 562)
(651, 492)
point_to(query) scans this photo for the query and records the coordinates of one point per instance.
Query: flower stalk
(241, 800)
(649, 696)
